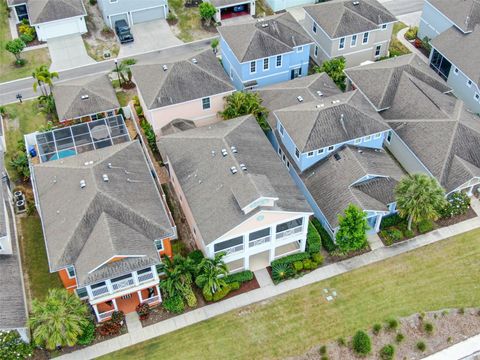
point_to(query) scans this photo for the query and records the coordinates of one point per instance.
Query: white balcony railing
(152, 300)
(145, 277)
(232, 250)
(105, 315)
(122, 284)
(289, 232)
(100, 291)
(260, 241)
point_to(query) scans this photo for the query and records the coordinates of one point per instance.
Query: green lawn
(396, 47)
(188, 19)
(442, 275)
(21, 119)
(8, 71)
(34, 259)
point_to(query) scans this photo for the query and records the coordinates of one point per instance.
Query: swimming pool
(63, 154)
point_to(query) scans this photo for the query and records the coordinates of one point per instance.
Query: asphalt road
(8, 91)
(402, 7)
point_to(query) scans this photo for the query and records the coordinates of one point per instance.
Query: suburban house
(432, 131)
(357, 30)
(86, 98)
(227, 9)
(133, 12)
(333, 148)
(236, 195)
(265, 52)
(104, 217)
(454, 29)
(51, 18)
(193, 89)
(13, 309)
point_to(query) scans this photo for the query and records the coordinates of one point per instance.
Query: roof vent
(165, 67)
(84, 97)
(82, 183)
(105, 177)
(319, 106)
(194, 61)
(337, 156)
(224, 152)
(213, 153)
(243, 167)
(360, 151)
(319, 93)
(233, 169)
(299, 98)
(234, 149)
(356, 3)
(264, 25)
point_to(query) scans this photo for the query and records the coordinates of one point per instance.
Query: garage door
(52, 30)
(148, 15)
(119, 17)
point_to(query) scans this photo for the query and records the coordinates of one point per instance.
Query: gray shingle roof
(69, 102)
(86, 227)
(285, 94)
(330, 181)
(213, 193)
(380, 81)
(178, 125)
(183, 81)
(341, 18)
(41, 11)
(464, 13)
(275, 35)
(342, 117)
(457, 48)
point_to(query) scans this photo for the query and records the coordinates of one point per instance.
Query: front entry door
(296, 73)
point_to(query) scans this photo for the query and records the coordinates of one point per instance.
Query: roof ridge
(358, 14)
(449, 149)
(389, 83)
(208, 72)
(249, 41)
(409, 77)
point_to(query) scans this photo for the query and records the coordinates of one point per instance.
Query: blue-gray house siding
(133, 11)
(432, 22)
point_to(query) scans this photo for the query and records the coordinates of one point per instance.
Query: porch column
(109, 286)
(470, 191)
(96, 312)
(272, 254)
(377, 223)
(115, 304)
(159, 293)
(139, 292)
(246, 262)
(135, 278)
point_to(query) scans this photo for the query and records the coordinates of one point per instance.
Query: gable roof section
(69, 102)
(285, 94)
(182, 81)
(457, 48)
(121, 216)
(464, 13)
(42, 11)
(213, 193)
(379, 81)
(331, 181)
(341, 18)
(342, 117)
(274, 35)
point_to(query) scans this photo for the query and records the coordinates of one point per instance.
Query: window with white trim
(253, 67)
(455, 71)
(280, 151)
(310, 154)
(265, 64)
(353, 42)
(300, 49)
(469, 83)
(378, 136)
(314, 27)
(315, 51)
(341, 44)
(367, 138)
(389, 137)
(71, 272)
(206, 103)
(357, 141)
(331, 148)
(384, 26)
(297, 153)
(377, 50)
(365, 37)
(279, 61)
(321, 151)
(159, 245)
(477, 96)
(81, 293)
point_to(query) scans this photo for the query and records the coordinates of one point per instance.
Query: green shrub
(207, 293)
(118, 317)
(190, 297)
(26, 38)
(392, 324)
(461, 311)
(298, 266)
(318, 258)
(408, 233)
(399, 337)
(428, 328)
(88, 334)
(361, 343)
(307, 264)
(322, 350)
(325, 238)
(13, 347)
(376, 328)
(291, 259)
(341, 341)
(314, 243)
(411, 33)
(93, 2)
(240, 277)
(281, 272)
(457, 203)
(222, 292)
(425, 226)
(421, 346)
(174, 304)
(196, 256)
(150, 135)
(324, 357)
(392, 220)
(391, 236)
(387, 352)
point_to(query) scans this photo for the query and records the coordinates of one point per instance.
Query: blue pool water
(63, 154)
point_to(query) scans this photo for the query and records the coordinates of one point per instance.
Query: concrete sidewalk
(467, 350)
(270, 291)
(409, 46)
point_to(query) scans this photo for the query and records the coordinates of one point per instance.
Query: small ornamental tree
(334, 68)
(15, 47)
(361, 343)
(207, 12)
(244, 103)
(352, 232)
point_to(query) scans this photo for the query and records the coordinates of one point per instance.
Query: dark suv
(123, 31)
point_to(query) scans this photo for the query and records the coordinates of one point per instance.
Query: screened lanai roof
(77, 139)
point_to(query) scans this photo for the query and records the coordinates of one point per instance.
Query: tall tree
(419, 197)
(334, 68)
(244, 103)
(44, 79)
(207, 12)
(125, 72)
(352, 232)
(58, 320)
(16, 47)
(211, 272)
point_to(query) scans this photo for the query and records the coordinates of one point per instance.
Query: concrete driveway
(68, 52)
(149, 36)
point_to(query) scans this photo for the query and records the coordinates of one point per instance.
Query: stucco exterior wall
(432, 22)
(459, 84)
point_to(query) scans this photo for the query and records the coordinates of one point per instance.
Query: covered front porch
(127, 303)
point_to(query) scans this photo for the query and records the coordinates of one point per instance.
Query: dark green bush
(26, 38)
(223, 291)
(391, 236)
(327, 242)
(88, 334)
(425, 226)
(281, 272)
(314, 242)
(408, 233)
(428, 328)
(291, 259)
(456, 204)
(322, 350)
(196, 256)
(118, 316)
(298, 266)
(376, 328)
(399, 337)
(387, 352)
(421, 346)
(361, 343)
(392, 324)
(174, 304)
(391, 220)
(150, 135)
(240, 277)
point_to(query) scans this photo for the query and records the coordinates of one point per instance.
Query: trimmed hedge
(425, 226)
(289, 259)
(361, 343)
(174, 304)
(239, 277)
(314, 242)
(327, 242)
(393, 220)
(221, 293)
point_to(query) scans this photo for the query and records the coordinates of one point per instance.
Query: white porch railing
(260, 241)
(232, 250)
(145, 277)
(290, 232)
(122, 284)
(151, 300)
(105, 315)
(100, 291)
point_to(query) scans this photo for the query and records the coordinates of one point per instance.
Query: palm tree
(43, 77)
(178, 280)
(124, 71)
(244, 103)
(59, 320)
(419, 197)
(211, 272)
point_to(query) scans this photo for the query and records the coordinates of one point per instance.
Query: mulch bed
(35, 42)
(332, 258)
